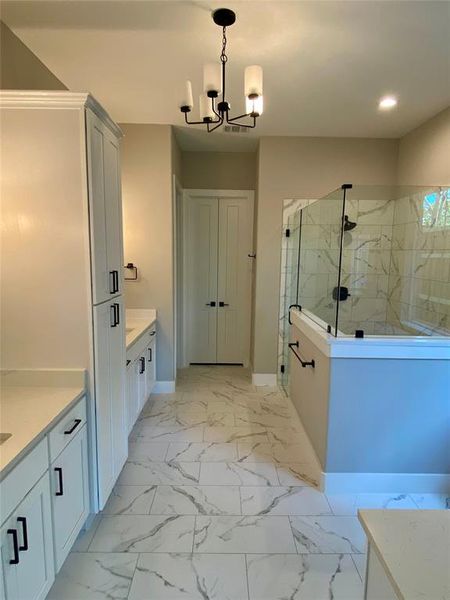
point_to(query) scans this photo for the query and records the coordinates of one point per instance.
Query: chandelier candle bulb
(212, 79)
(253, 81)
(254, 106)
(206, 111)
(188, 99)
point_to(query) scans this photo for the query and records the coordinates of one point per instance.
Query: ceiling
(326, 64)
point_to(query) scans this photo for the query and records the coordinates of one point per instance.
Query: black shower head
(348, 225)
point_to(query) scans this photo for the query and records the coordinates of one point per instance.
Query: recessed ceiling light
(387, 102)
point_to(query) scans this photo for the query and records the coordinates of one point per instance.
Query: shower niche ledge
(377, 411)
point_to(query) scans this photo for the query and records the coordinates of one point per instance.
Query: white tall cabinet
(62, 258)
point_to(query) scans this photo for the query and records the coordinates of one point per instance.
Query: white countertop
(138, 320)
(414, 549)
(30, 404)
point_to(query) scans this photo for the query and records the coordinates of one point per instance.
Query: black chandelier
(213, 111)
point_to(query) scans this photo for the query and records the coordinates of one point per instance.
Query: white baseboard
(404, 483)
(262, 379)
(164, 387)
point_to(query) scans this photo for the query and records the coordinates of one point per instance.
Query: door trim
(219, 193)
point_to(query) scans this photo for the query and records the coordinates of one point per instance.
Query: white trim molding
(164, 387)
(264, 379)
(402, 483)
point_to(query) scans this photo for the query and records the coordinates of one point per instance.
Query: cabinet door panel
(101, 281)
(151, 367)
(132, 395)
(33, 576)
(113, 208)
(104, 415)
(117, 375)
(70, 494)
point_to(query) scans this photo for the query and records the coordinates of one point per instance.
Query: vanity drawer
(67, 428)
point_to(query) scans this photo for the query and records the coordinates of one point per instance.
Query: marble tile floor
(219, 501)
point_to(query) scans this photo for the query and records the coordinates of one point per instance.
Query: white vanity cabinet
(45, 502)
(70, 493)
(141, 373)
(27, 546)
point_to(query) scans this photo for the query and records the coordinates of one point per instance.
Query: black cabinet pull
(211, 303)
(142, 369)
(116, 309)
(15, 559)
(112, 315)
(112, 282)
(23, 521)
(304, 363)
(116, 281)
(152, 333)
(72, 429)
(150, 355)
(222, 304)
(60, 491)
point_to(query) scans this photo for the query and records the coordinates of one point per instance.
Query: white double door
(219, 239)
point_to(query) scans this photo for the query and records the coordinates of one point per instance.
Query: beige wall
(20, 69)
(302, 168)
(148, 237)
(219, 170)
(424, 153)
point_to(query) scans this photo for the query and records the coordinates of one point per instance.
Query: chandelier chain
(223, 56)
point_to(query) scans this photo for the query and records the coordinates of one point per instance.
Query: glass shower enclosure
(367, 261)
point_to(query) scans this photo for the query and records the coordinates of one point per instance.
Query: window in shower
(436, 209)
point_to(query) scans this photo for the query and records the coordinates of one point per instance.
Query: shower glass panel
(396, 261)
(289, 284)
(320, 247)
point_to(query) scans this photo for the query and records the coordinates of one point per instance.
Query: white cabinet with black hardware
(71, 142)
(141, 373)
(104, 208)
(70, 493)
(109, 360)
(27, 546)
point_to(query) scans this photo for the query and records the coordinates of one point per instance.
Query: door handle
(222, 304)
(142, 359)
(210, 303)
(116, 281)
(23, 521)
(150, 355)
(15, 559)
(60, 491)
(117, 311)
